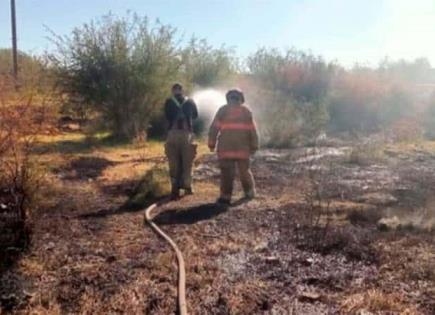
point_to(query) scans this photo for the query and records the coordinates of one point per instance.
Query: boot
(175, 194)
(188, 191)
(223, 201)
(250, 194)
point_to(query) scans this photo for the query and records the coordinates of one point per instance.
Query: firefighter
(234, 133)
(180, 149)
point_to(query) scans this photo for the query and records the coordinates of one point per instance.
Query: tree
(120, 67)
(300, 75)
(204, 65)
(417, 71)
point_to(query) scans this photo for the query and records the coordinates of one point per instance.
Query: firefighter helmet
(237, 92)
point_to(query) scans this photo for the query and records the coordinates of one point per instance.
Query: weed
(153, 185)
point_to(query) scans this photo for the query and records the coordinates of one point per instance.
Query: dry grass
(248, 297)
(366, 154)
(378, 302)
(410, 258)
(408, 130)
(411, 147)
(91, 255)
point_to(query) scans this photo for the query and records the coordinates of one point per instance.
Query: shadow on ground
(85, 167)
(14, 289)
(125, 208)
(84, 145)
(172, 216)
(190, 215)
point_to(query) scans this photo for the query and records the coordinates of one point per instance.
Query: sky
(347, 31)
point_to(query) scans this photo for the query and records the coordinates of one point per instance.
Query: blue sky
(345, 30)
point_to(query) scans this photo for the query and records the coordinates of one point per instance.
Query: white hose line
(182, 306)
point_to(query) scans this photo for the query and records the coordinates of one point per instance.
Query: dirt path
(91, 255)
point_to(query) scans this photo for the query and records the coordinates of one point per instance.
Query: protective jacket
(180, 112)
(233, 130)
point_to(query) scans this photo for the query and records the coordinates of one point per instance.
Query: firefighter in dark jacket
(180, 150)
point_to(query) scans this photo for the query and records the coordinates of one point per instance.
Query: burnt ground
(92, 255)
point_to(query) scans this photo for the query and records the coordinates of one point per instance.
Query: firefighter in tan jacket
(234, 133)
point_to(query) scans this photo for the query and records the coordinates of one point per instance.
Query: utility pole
(14, 43)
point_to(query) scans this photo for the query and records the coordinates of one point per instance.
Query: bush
(290, 123)
(366, 100)
(120, 67)
(397, 105)
(20, 122)
(297, 74)
(407, 130)
(355, 103)
(289, 94)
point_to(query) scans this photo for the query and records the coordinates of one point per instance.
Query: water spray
(208, 102)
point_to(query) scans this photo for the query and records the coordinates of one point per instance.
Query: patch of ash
(235, 265)
(206, 171)
(316, 154)
(15, 291)
(273, 155)
(352, 182)
(287, 264)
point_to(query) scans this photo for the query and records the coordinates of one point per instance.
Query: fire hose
(182, 306)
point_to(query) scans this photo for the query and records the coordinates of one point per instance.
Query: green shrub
(121, 68)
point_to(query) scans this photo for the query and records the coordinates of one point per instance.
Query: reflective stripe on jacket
(233, 130)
